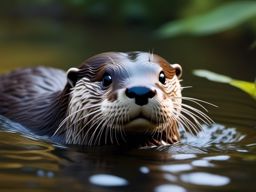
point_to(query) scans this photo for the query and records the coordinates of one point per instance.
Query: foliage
(220, 19)
(198, 17)
(248, 87)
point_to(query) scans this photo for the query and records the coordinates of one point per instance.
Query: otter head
(118, 98)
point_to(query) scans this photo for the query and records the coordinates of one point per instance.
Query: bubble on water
(201, 178)
(176, 168)
(108, 180)
(169, 187)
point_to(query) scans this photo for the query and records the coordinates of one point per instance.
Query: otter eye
(162, 78)
(107, 80)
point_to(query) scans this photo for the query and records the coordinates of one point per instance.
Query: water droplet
(107, 180)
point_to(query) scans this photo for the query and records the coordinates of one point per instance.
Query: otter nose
(141, 94)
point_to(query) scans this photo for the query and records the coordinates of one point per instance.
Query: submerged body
(112, 98)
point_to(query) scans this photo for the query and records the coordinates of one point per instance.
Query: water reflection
(169, 187)
(183, 156)
(217, 158)
(32, 163)
(208, 179)
(176, 168)
(202, 163)
(107, 180)
(144, 170)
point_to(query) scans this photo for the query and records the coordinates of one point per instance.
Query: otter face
(116, 95)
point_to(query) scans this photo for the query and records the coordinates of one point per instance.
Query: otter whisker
(192, 127)
(88, 122)
(186, 87)
(104, 129)
(160, 124)
(119, 124)
(70, 115)
(197, 124)
(108, 131)
(91, 140)
(198, 100)
(189, 124)
(95, 119)
(186, 127)
(125, 119)
(68, 118)
(115, 128)
(198, 114)
(100, 132)
(84, 117)
(167, 130)
(110, 125)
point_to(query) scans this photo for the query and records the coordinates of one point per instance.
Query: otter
(113, 98)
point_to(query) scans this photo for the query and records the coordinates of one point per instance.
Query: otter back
(29, 96)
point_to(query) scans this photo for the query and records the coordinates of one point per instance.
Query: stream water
(222, 158)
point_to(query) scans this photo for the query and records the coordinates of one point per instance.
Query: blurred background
(215, 35)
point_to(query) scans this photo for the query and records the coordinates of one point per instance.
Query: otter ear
(178, 70)
(72, 76)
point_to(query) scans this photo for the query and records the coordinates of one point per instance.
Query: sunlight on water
(205, 179)
(218, 158)
(176, 168)
(108, 180)
(183, 156)
(144, 170)
(202, 163)
(169, 188)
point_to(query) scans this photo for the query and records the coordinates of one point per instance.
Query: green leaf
(218, 20)
(248, 87)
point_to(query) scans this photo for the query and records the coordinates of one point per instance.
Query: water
(28, 163)
(221, 159)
